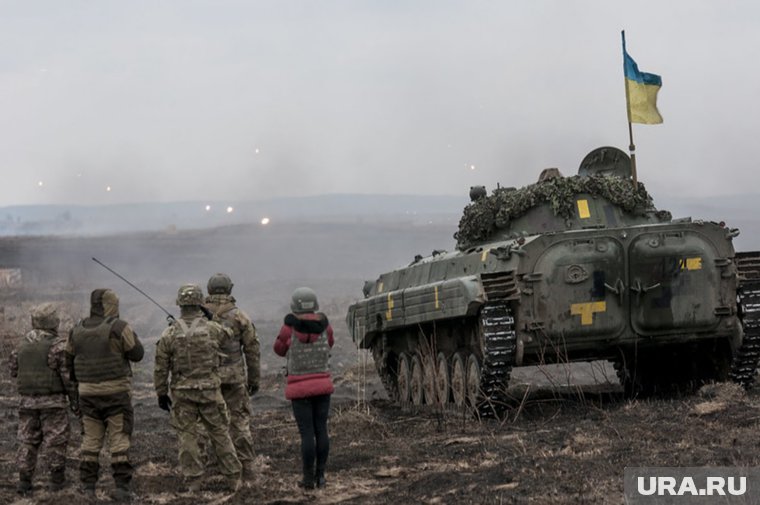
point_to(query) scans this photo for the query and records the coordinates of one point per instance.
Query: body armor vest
(35, 378)
(196, 358)
(308, 358)
(231, 348)
(94, 359)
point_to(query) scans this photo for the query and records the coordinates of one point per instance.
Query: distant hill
(740, 211)
(107, 219)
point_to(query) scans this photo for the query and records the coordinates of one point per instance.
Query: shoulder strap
(223, 309)
(195, 324)
(183, 326)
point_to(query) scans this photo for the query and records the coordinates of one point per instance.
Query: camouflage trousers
(239, 408)
(186, 416)
(42, 427)
(106, 420)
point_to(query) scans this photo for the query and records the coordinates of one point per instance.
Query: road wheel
(458, 380)
(473, 380)
(442, 379)
(416, 381)
(404, 378)
(428, 380)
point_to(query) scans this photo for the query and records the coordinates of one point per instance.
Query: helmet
(219, 284)
(45, 317)
(304, 300)
(189, 294)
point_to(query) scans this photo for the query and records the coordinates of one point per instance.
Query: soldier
(239, 370)
(98, 353)
(188, 351)
(39, 366)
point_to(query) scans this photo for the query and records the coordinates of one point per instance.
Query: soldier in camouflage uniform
(240, 377)
(98, 353)
(188, 352)
(39, 366)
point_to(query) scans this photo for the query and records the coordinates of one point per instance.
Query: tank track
(499, 347)
(386, 376)
(744, 366)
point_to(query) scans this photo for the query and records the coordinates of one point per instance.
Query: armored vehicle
(567, 269)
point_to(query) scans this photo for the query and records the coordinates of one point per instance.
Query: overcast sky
(221, 100)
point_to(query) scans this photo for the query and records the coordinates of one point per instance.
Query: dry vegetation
(560, 444)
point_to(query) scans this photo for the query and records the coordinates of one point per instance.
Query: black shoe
(320, 479)
(57, 480)
(54, 486)
(306, 484)
(24, 487)
(122, 494)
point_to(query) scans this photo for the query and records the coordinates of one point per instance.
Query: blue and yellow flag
(641, 92)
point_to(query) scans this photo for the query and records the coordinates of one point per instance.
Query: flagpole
(632, 151)
(631, 145)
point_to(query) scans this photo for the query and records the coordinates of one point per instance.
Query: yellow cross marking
(389, 312)
(583, 211)
(587, 310)
(437, 306)
(691, 264)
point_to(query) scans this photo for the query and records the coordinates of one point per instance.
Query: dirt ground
(560, 444)
(567, 440)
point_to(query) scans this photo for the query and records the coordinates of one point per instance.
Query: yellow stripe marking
(389, 312)
(583, 211)
(437, 305)
(691, 264)
(484, 255)
(587, 310)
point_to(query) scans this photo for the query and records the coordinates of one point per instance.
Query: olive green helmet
(304, 300)
(189, 294)
(219, 284)
(45, 317)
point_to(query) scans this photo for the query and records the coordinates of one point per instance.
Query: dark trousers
(311, 417)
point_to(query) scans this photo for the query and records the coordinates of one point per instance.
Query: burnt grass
(558, 445)
(561, 444)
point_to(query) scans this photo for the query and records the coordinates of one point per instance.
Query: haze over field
(114, 102)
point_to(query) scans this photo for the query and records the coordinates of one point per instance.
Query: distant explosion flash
(208, 208)
(108, 189)
(265, 221)
(230, 210)
(39, 184)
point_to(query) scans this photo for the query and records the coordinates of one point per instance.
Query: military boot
(233, 484)
(122, 494)
(122, 476)
(249, 471)
(88, 474)
(24, 486)
(57, 480)
(192, 484)
(319, 478)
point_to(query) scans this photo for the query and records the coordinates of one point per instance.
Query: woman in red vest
(305, 339)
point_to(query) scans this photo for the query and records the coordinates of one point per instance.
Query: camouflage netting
(482, 218)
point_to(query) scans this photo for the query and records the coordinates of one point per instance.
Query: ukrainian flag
(641, 92)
